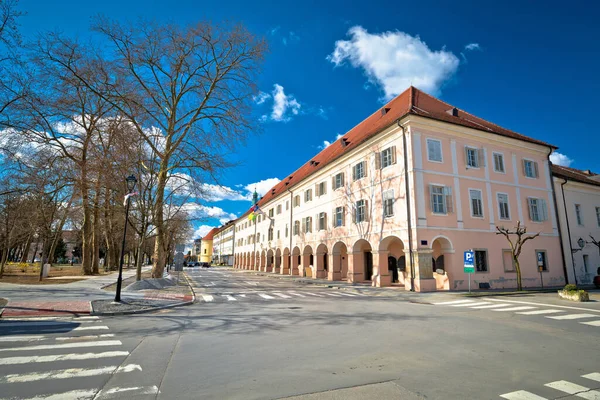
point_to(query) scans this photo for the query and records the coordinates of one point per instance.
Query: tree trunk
(161, 240)
(96, 239)
(3, 261)
(44, 257)
(518, 270)
(139, 259)
(86, 230)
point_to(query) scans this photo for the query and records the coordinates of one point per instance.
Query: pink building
(405, 193)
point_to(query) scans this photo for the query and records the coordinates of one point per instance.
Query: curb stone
(148, 310)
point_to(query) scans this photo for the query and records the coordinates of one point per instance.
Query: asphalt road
(254, 337)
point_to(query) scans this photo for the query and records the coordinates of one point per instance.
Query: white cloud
(473, 46)
(200, 211)
(560, 159)
(261, 97)
(395, 60)
(283, 105)
(327, 143)
(201, 231)
(262, 187)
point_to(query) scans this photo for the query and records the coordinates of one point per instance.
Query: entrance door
(368, 265)
(393, 267)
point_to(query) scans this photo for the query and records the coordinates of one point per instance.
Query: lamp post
(131, 181)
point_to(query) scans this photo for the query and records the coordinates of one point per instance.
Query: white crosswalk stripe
(491, 306)
(514, 308)
(573, 316)
(591, 323)
(266, 296)
(27, 350)
(561, 388)
(447, 303)
(474, 305)
(540, 312)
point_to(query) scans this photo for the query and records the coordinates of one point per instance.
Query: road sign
(540, 257)
(469, 264)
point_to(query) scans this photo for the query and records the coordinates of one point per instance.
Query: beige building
(578, 206)
(401, 196)
(206, 246)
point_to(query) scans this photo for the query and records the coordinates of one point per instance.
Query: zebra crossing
(589, 389)
(77, 355)
(279, 295)
(557, 313)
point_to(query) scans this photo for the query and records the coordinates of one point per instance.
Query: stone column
(424, 281)
(295, 269)
(356, 266)
(320, 263)
(285, 270)
(335, 264)
(381, 275)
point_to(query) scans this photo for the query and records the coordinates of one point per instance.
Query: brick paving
(46, 308)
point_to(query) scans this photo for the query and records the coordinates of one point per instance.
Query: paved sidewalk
(76, 298)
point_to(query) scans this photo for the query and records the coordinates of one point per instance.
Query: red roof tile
(210, 234)
(575, 174)
(411, 101)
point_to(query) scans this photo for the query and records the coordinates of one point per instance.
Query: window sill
(477, 217)
(439, 214)
(436, 161)
(500, 172)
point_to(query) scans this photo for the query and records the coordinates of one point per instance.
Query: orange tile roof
(210, 234)
(574, 174)
(411, 101)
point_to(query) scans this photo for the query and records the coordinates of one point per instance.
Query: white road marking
(55, 318)
(230, 298)
(314, 294)
(538, 312)
(522, 395)
(332, 294)
(252, 283)
(265, 296)
(592, 323)
(283, 296)
(88, 337)
(62, 357)
(572, 388)
(544, 305)
(347, 294)
(470, 304)
(447, 303)
(35, 338)
(296, 294)
(131, 391)
(68, 373)
(573, 316)
(66, 345)
(207, 297)
(492, 306)
(242, 295)
(91, 328)
(595, 376)
(514, 308)
(72, 395)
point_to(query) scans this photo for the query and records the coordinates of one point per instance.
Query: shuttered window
(538, 211)
(360, 214)
(339, 216)
(503, 209)
(388, 203)
(476, 203)
(530, 169)
(338, 181)
(359, 171)
(386, 158)
(434, 150)
(441, 199)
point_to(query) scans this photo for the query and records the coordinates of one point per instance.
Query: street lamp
(131, 181)
(581, 243)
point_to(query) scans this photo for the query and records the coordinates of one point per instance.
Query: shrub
(570, 287)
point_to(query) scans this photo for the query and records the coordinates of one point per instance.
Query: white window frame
(539, 209)
(322, 218)
(533, 162)
(598, 215)
(578, 215)
(477, 150)
(339, 210)
(297, 203)
(296, 228)
(364, 214)
(364, 173)
(431, 194)
(471, 203)
(441, 160)
(279, 209)
(390, 196)
(308, 225)
(586, 264)
(498, 194)
(383, 157)
(307, 195)
(497, 153)
(335, 179)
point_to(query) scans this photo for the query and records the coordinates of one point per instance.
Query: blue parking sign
(469, 262)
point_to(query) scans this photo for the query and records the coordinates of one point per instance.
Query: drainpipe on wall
(562, 189)
(408, 213)
(562, 250)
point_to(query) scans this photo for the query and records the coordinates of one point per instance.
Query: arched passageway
(443, 253)
(270, 261)
(391, 250)
(296, 261)
(362, 261)
(308, 262)
(263, 261)
(339, 264)
(277, 261)
(322, 262)
(285, 270)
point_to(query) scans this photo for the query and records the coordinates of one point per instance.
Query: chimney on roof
(385, 110)
(453, 111)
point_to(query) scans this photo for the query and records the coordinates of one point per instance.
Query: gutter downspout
(408, 211)
(560, 236)
(568, 229)
(290, 270)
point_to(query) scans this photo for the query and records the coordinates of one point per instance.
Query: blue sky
(530, 68)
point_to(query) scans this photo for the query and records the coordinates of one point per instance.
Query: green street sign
(469, 270)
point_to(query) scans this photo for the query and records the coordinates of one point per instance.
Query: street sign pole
(469, 265)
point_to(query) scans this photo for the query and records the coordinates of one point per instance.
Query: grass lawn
(28, 274)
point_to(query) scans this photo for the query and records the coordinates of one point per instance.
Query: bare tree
(516, 246)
